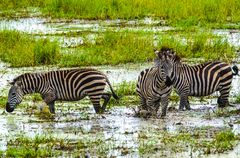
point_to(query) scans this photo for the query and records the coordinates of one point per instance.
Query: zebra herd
(154, 84)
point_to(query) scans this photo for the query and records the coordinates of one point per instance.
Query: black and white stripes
(65, 85)
(198, 80)
(152, 90)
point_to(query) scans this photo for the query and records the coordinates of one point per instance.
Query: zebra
(62, 85)
(197, 80)
(152, 90)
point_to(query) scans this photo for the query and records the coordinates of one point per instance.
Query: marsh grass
(182, 13)
(3, 101)
(39, 146)
(48, 146)
(111, 48)
(13, 4)
(20, 50)
(220, 142)
(204, 45)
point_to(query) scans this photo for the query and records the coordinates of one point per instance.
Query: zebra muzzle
(8, 108)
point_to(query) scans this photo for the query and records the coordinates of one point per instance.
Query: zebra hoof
(162, 116)
(144, 113)
(180, 109)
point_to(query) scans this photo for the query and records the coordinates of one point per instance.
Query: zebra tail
(235, 70)
(113, 93)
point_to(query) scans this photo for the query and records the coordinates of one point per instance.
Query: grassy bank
(20, 49)
(177, 12)
(110, 48)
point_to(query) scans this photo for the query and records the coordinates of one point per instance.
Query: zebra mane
(176, 59)
(18, 78)
(167, 50)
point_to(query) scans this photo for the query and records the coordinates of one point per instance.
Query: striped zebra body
(64, 85)
(152, 90)
(198, 80)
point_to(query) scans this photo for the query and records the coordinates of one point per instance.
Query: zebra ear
(177, 58)
(18, 83)
(10, 82)
(157, 53)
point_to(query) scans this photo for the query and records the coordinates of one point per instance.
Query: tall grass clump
(112, 48)
(185, 13)
(20, 49)
(202, 45)
(176, 12)
(20, 4)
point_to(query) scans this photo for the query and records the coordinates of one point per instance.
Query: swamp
(117, 37)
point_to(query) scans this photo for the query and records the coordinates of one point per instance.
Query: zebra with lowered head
(64, 85)
(152, 89)
(197, 80)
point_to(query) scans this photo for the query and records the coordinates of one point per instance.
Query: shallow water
(118, 127)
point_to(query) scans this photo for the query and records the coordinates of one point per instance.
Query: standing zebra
(152, 90)
(65, 85)
(198, 80)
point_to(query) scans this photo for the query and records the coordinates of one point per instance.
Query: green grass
(199, 44)
(15, 4)
(3, 101)
(20, 50)
(48, 146)
(184, 13)
(111, 48)
(184, 142)
(124, 47)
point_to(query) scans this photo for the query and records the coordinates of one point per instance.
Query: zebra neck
(33, 84)
(158, 78)
(177, 75)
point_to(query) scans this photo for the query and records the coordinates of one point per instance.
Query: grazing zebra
(152, 90)
(198, 80)
(64, 85)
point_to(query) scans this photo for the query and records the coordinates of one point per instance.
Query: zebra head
(167, 58)
(15, 96)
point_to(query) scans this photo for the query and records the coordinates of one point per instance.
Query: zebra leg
(49, 99)
(184, 103)
(106, 97)
(52, 107)
(223, 98)
(164, 102)
(143, 103)
(187, 106)
(96, 103)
